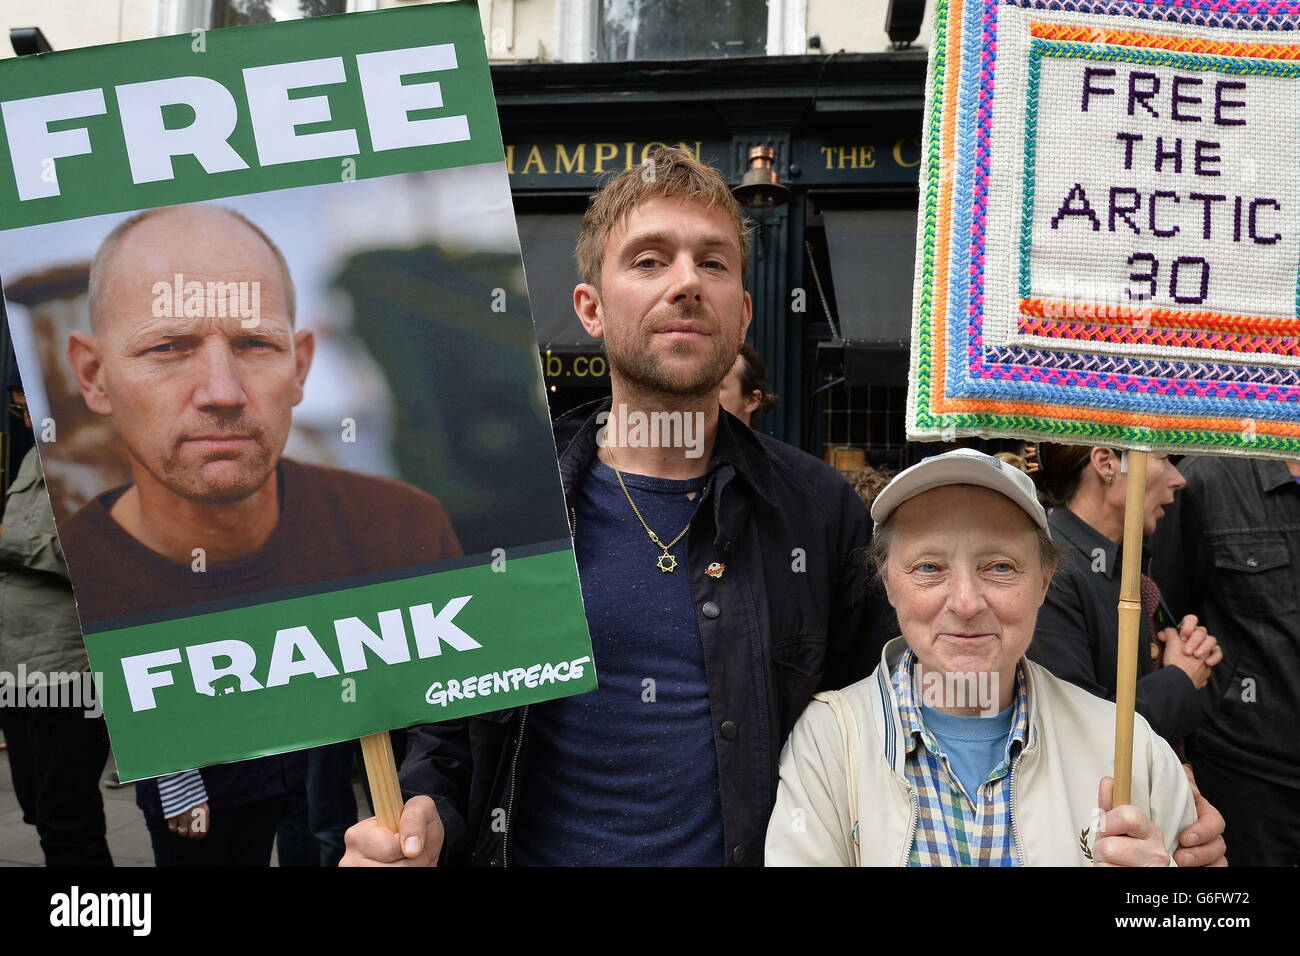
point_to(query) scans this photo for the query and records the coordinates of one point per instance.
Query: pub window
(185, 16)
(871, 418)
(680, 29)
(235, 13)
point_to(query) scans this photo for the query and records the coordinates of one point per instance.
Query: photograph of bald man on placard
(194, 354)
(222, 431)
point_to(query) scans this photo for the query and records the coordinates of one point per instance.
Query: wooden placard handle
(381, 773)
(1130, 624)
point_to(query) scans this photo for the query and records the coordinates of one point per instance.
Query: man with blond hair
(722, 579)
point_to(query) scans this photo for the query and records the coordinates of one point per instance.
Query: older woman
(958, 751)
(1078, 627)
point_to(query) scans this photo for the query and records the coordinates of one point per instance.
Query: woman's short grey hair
(1049, 552)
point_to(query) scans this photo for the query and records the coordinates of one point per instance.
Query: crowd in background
(1218, 670)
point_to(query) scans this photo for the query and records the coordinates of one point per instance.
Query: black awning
(547, 240)
(872, 253)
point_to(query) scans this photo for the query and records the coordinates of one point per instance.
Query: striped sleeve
(181, 791)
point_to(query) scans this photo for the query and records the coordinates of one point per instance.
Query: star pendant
(666, 562)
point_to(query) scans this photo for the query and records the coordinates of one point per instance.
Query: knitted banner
(1109, 240)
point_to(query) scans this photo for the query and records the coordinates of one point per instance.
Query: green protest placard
(228, 112)
(265, 290)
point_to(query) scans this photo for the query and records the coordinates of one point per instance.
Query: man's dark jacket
(789, 616)
(1229, 546)
(1077, 635)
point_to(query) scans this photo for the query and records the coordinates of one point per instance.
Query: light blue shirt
(974, 746)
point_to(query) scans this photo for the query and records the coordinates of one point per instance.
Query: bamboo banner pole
(1130, 622)
(381, 773)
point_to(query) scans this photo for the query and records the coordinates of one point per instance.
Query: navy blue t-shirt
(627, 774)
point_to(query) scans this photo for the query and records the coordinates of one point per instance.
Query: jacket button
(1251, 562)
(729, 730)
(738, 855)
(710, 609)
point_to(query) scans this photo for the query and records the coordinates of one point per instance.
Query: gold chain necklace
(666, 561)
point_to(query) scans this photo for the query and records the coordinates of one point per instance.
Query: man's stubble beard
(187, 481)
(644, 368)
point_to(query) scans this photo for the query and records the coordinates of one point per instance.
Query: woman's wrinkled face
(965, 576)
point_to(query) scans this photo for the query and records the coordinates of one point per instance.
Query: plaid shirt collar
(914, 729)
(953, 828)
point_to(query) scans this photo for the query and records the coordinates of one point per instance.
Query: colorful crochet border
(1146, 397)
(1097, 44)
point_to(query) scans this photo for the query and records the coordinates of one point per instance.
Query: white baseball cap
(965, 466)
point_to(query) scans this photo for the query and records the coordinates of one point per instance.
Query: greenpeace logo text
(75, 908)
(504, 682)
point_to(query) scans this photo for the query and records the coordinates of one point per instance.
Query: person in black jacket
(1232, 544)
(1077, 632)
(710, 637)
(1078, 625)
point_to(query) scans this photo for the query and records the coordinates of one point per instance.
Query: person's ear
(304, 349)
(747, 316)
(1103, 462)
(753, 400)
(84, 358)
(586, 303)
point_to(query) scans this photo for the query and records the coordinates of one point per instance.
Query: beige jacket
(1053, 789)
